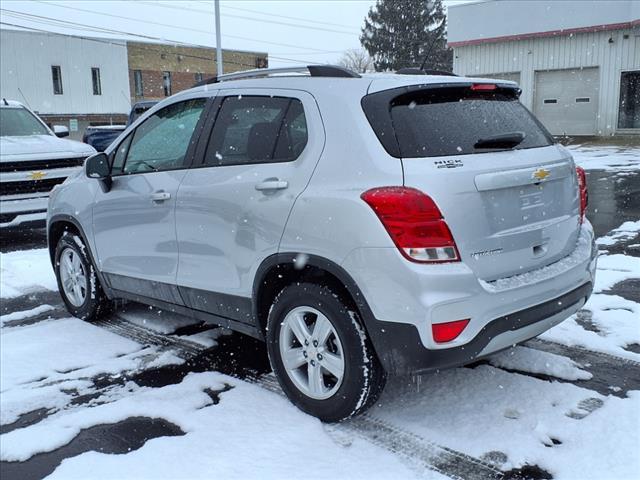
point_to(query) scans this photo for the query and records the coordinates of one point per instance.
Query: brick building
(157, 71)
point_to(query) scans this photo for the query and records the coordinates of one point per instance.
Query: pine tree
(403, 33)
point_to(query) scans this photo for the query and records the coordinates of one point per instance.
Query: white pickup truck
(33, 160)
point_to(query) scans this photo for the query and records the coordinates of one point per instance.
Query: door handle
(272, 184)
(160, 196)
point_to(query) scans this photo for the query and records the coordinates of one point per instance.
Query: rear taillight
(445, 332)
(584, 194)
(414, 223)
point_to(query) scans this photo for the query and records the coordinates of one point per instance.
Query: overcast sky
(291, 32)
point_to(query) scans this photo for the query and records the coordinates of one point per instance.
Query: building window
(629, 109)
(95, 80)
(137, 83)
(166, 83)
(198, 77)
(56, 76)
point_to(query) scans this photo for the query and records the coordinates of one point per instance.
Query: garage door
(566, 101)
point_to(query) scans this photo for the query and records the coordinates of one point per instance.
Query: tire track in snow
(184, 348)
(417, 451)
(582, 352)
(420, 452)
(413, 449)
(34, 315)
(612, 375)
(30, 300)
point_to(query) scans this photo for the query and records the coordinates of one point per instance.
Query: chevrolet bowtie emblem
(37, 175)
(541, 174)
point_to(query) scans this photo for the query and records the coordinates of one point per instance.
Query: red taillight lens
(584, 195)
(445, 332)
(414, 223)
(483, 87)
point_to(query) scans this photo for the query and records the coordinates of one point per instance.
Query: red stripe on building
(551, 33)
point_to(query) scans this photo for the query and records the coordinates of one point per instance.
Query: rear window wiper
(503, 140)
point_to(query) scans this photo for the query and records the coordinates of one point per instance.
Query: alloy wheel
(311, 352)
(73, 277)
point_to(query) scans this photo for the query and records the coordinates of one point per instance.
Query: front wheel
(78, 283)
(321, 354)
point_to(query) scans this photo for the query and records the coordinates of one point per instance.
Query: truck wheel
(321, 354)
(78, 283)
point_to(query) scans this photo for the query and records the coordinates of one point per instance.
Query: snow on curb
(599, 157)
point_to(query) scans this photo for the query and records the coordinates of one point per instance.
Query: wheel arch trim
(321, 263)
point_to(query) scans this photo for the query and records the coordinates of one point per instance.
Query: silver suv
(361, 225)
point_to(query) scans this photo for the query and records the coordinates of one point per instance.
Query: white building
(577, 62)
(66, 79)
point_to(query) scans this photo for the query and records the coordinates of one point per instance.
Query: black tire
(95, 304)
(364, 376)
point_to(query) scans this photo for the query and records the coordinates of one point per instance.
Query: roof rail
(420, 71)
(313, 71)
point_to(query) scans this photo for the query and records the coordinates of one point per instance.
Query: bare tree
(357, 59)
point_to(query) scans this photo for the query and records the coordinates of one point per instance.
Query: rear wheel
(321, 354)
(78, 283)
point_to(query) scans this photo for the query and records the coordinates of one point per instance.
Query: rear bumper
(406, 299)
(401, 352)
(20, 211)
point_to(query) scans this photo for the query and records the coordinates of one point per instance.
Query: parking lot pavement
(22, 239)
(178, 399)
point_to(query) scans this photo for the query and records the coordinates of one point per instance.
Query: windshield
(19, 122)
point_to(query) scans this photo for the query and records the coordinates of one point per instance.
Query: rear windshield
(452, 121)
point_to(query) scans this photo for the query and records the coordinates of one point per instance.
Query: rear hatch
(507, 193)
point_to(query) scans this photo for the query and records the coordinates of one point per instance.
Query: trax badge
(37, 175)
(541, 174)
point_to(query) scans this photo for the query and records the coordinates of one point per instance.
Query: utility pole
(218, 39)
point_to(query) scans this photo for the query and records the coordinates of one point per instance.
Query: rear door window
(451, 120)
(257, 129)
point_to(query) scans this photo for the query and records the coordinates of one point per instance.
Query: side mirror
(97, 166)
(60, 131)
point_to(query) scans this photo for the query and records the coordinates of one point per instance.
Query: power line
(395, 38)
(80, 26)
(182, 8)
(115, 42)
(311, 49)
(151, 49)
(282, 16)
(42, 19)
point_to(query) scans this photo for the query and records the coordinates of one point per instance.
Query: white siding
(25, 74)
(499, 18)
(561, 52)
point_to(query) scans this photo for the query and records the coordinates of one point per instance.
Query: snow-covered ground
(568, 403)
(613, 158)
